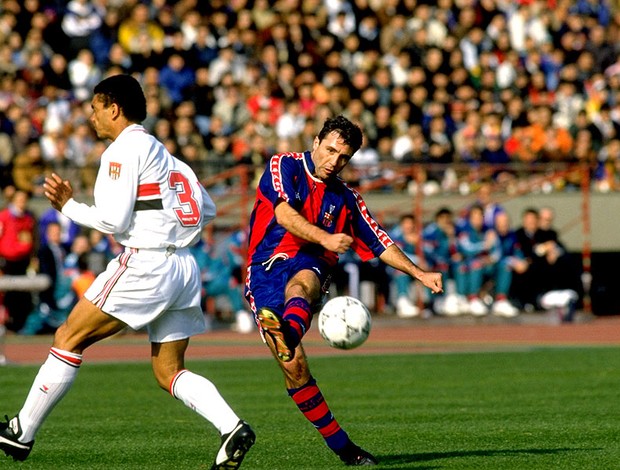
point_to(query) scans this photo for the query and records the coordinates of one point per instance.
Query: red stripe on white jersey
(148, 189)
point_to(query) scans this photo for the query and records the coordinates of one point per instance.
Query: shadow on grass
(390, 460)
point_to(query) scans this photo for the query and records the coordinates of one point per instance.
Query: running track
(389, 335)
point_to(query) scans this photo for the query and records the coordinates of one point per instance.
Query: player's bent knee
(163, 380)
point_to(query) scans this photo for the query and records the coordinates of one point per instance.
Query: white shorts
(152, 288)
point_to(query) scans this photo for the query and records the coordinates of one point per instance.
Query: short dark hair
(404, 217)
(349, 132)
(443, 211)
(126, 92)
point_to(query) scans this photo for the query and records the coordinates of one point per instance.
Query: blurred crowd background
(471, 89)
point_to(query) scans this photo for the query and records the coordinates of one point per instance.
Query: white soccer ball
(344, 322)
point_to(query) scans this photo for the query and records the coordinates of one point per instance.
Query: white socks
(53, 381)
(202, 396)
(58, 372)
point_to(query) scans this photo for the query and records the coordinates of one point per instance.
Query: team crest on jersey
(328, 217)
(114, 170)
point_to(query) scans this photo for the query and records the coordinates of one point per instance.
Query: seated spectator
(407, 237)
(141, 37)
(50, 261)
(493, 151)
(84, 74)
(80, 20)
(103, 38)
(481, 253)
(367, 281)
(72, 277)
(177, 78)
(68, 229)
(101, 252)
(558, 269)
(29, 169)
(83, 278)
(441, 254)
(607, 174)
(512, 260)
(557, 272)
(525, 284)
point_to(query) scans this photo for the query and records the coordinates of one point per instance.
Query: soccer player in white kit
(154, 205)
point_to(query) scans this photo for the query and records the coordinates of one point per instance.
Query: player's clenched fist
(337, 242)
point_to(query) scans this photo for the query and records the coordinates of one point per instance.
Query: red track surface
(389, 335)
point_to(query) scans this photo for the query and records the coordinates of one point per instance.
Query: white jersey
(144, 196)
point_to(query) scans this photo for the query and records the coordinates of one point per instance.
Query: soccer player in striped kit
(303, 217)
(154, 205)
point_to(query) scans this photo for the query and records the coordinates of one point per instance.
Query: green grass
(544, 408)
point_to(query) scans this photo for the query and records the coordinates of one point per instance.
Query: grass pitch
(545, 408)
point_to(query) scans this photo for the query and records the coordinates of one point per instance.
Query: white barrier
(26, 283)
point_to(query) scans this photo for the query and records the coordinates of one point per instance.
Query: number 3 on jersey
(189, 211)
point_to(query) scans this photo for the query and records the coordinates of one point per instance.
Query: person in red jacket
(17, 241)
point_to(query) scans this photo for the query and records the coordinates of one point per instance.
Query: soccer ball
(344, 322)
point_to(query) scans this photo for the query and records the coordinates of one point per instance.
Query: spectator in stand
(512, 260)
(101, 251)
(406, 235)
(480, 249)
(177, 78)
(186, 133)
(203, 97)
(141, 37)
(262, 98)
(24, 132)
(439, 239)
(29, 168)
(80, 20)
(560, 286)
(524, 284)
(68, 229)
(105, 37)
(50, 261)
(83, 278)
(493, 151)
(84, 74)
(608, 167)
(17, 248)
(485, 198)
(79, 146)
(558, 269)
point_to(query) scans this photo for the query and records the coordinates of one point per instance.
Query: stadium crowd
(457, 85)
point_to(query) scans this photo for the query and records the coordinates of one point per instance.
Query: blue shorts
(265, 283)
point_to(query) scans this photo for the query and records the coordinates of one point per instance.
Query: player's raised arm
(394, 257)
(299, 226)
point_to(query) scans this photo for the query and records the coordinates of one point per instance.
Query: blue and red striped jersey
(331, 205)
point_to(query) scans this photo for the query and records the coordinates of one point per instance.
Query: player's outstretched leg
(310, 401)
(279, 331)
(235, 445)
(10, 432)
